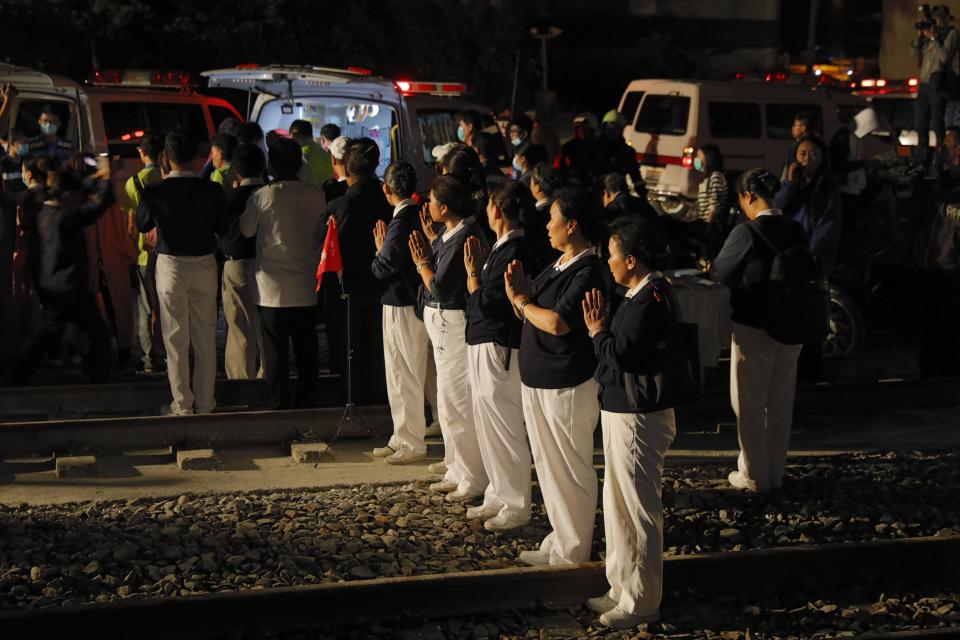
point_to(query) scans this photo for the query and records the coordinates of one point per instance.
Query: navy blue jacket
(188, 212)
(490, 316)
(448, 289)
(393, 264)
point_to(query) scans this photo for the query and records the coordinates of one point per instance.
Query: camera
(926, 16)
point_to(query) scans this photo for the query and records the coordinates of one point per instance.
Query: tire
(847, 330)
(675, 207)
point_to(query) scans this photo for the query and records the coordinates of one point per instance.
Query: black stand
(349, 417)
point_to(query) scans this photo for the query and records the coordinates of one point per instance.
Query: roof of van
(25, 77)
(747, 87)
(274, 78)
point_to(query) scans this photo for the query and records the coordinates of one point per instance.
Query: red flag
(330, 259)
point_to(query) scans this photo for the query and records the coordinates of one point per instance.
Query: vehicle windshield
(356, 120)
(663, 114)
(28, 116)
(436, 127)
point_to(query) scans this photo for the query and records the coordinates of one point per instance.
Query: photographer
(936, 49)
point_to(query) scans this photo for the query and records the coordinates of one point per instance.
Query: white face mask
(48, 128)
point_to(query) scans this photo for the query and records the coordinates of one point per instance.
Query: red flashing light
(739, 75)
(126, 137)
(404, 86)
(248, 65)
(853, 85)
(138, 134)
(687, 162)
(780, 76)
(361, 71)
(104, 76)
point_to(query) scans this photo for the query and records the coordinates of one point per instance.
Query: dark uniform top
(393, 264)
(60, 149)
(10, 173)
(490, 316)
(448, 288)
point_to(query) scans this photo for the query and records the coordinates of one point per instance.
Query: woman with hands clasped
(443, 294)
(637, 420)
(560, 404)
(493, 338)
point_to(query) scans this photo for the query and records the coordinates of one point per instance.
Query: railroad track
(331, 604)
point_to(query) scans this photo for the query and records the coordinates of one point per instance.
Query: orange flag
(331, 261)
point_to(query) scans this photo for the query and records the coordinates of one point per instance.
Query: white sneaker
(617, 618)
(483, 512)
(433, 430)
(500, 523)
(444, 486)
(461, 496)
(167, 410)
(738, 481)
(384, 452)
(437, 467)
(534, 558)
(404, 456)
(601, 604)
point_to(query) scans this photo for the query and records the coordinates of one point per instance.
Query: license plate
(651, 174)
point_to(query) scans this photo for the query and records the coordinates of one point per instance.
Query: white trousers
(560, 425)
(763, 384)
(447, 330)
(634, 447)
(239, 292)
(187, 290)
(405, 359)
(498, 414)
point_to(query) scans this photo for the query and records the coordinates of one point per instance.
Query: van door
(736, 127)
(779, 145)
(74, 117)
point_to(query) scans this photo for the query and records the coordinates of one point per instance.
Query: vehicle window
(28, 115)
(663, 114)
(436, 127)
(897, 111)
(780, 118)
(734, 120)
(356, 120)
(846, 112)
(126, 122)
(630, 105)
(219, 114)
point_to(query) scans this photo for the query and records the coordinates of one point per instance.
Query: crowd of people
(528, 292)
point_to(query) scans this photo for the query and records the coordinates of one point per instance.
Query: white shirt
(769, 212)
(542, 202)
(249, 181)
(402, 205)
(565, 265)
(182, 174)
(643, 283)
(513, 233)
(285, 217)
(452, 232)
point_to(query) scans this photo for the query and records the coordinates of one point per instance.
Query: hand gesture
(594, 312)
(379, 234)
(793, 171)
(419, 249)
(474, 255)
(7, 91)
(426, 221)
(517, 283)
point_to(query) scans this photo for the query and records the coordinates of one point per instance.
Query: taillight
(687, 160)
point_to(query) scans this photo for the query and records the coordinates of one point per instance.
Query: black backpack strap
(756, 228)
(137, 184)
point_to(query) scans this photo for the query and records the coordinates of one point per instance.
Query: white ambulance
(406, 118)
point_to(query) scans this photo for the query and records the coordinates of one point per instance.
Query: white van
(37, 90)
(406, 118)
(668, 120)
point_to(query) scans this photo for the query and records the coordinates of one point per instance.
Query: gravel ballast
(96, 552)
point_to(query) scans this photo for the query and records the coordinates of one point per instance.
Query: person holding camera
(936, 49)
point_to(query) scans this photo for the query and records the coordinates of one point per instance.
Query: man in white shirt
(285, 217)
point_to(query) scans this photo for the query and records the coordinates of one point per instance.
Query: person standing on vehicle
(238, 287)
(285, 218)
(557, 361)
(763, 371)
(188, 213)
(936, 48)
(637, 419)
(405, 340)
(317, 168)
(49, 142)
(148, 306)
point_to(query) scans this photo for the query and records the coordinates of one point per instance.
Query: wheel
(846, 327)
(677, 207)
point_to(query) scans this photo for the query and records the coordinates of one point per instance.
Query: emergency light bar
(882, 86)
(409, 88)
(142, 78)
(784, 77)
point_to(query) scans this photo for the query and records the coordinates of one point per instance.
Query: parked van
(668, 120)
(37, 90)
(407, 119)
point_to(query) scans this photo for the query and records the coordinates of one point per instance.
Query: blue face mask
(698, 165)
(48, 128)
(461, 136)
(516, 164)
(22, 149)
(516, 141)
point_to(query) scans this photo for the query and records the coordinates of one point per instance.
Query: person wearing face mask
(49, 141)
(14, 151)
(712, 192)
(526, 159)
(519, 134)
(468, 126)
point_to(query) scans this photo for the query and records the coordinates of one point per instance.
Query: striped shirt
(712, 195)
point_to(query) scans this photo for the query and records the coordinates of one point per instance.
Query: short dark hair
(229, 125)
(40, 166)
(285, 158)
(181, 147)
(534, 154)
(614, 183)
(226, 143)
(759, 182)
(579, 205)
(452, 192)
(152, 145)
(361, 157)
(808, 118)
(249, 133)
(713, 159)
(301, 128)
(330, 131)
(470, 117)
(817, 141)
(522, 121)
(64, 181)
(248, 161)
(641, 239)
(401, 177)
(546, 178)
(514, 201)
